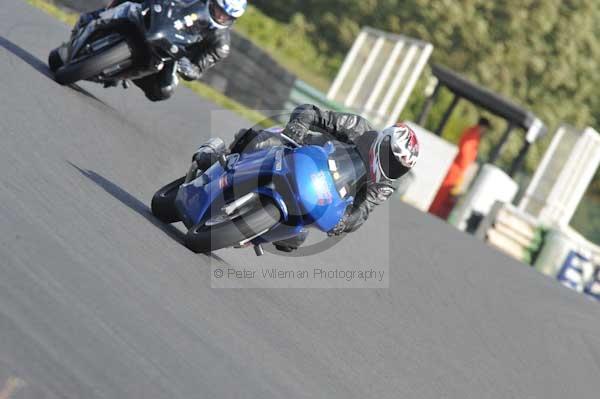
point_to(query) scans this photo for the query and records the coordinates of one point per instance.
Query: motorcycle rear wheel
(93, 65)
(204, 238)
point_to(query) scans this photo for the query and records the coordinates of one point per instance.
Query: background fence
(379, 74)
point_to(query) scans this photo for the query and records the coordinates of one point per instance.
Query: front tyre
(205, 237)
(93, 65)
(163, 202)
(54, 61)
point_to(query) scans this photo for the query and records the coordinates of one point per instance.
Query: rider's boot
(292, 244)
(111, 83)
(209, 153)
(160, 86)
(167, 81)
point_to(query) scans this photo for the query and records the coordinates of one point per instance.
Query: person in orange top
(467, 154)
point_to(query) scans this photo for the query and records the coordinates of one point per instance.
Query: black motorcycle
(130, 41)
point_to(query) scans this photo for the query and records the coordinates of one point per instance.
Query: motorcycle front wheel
(163, 202)
(54, 61)
(223, 231)
(93, 65)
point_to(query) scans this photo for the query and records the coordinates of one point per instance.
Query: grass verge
(48, 7)
(204, 90)
(201, 89)
(288, 44)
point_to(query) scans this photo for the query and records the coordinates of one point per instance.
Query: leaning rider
(388, 155)
(215, 45)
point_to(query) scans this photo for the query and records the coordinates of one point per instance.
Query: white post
(410, 85)
(348, 62)
(541, 170)
(582, 174)
(573, 180)
(398, 80)
(534, 131)
(360, 80)
(385, 74)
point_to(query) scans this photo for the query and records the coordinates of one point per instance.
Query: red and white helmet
(394, 153)
(404, 144)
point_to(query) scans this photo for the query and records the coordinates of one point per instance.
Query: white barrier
(572, 260)
(512, 232)
(490, 186)
(563, 176)
(435, 157)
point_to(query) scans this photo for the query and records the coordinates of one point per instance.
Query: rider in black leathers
(214, 47)
(388, 155)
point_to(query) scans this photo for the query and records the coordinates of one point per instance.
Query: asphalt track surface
(98, 300)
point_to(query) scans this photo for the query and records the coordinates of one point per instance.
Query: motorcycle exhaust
(230, 209)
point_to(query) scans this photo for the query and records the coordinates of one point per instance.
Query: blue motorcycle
(263, 196)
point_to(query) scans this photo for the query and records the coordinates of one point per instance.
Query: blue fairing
(216, 186)
(298, 180)
(315, 189)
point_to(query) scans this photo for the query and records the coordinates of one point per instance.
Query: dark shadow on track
(86, 93)
(40, 65)
(135, 204)
(27, 57)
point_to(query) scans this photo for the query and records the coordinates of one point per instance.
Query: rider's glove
(296, 131)
(188, 70)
